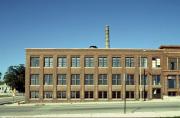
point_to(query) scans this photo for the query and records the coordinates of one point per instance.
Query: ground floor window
(88, 94)
(61, 94)
(172, 93)
(116, 94)
(34, 94)
(102, 94)
(156, 93)
(129, 94)
(75, 94)
(48, 94)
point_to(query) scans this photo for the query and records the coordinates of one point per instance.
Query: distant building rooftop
(169, 47)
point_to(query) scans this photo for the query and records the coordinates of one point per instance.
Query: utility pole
(124, 93)
(140, 87)
(144, 85)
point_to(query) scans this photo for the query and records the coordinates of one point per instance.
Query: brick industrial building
(93, 74)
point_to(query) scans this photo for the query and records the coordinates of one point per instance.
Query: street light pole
(124, 93)
(140, 87)
(144, 86)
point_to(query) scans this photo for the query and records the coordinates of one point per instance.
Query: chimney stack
(107, 41)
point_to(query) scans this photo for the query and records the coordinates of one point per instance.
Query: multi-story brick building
(92, 74)
(98, 74)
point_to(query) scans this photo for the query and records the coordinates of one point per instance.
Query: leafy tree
(15, 77)
(0, 75)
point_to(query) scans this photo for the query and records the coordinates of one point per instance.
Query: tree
(15, 77)
(0, 75)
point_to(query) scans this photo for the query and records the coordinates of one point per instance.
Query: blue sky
(80, 23)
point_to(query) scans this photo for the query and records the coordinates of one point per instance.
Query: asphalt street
(78, 108)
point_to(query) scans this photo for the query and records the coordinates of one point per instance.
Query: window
(129, 79)
(88, 79)
(172, 63)
(172, 93)
(116, 94)
(75, 79)
(34, 62)
(48, 62)
(61, 94)
(143, 80)
(61, 79)
(34, 94)
(129, 94)
(102, 61)
(171, 81)
(47, 94)
(129, 62)
(102, 94)
(143, 62)
(75, 94)
(178, 63)
(75, 62)
(48, 79)
(116, 79)
(156, 80)
(116, 62)
(88, 94)
(156, 62)
(89, 61)
(102, 79)
(34, 79)
(62, 62)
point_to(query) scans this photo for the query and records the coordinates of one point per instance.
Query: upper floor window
(102, 79)
(62, 62)
(35, 79)
(172, 63)
(75, 62)
(116, 62)
(102, 61)
(129, 79)
(144, 80)
(75, 79)
(116, 79)
(171, 81)
(61, 79)
(88, 79)
(156, 80)
(34, 62)
(143, 62)
(129, 61)
(89, 61)
(48, 62)
(156, 62)
(48, 79)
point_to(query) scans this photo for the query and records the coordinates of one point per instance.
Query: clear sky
(80, 23)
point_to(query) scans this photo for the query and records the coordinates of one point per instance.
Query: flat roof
(169, 47)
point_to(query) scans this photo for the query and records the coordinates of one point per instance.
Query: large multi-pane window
(129, 79)
(48, 94)
(129, 61)
(61, 80)
(102, 62)
(48, 62)
(178, 63)
(34, 94)
(75, 62)
(156, 62)
(75, 79)
(48, 79)
(61, 94)
(75, 94)
(88, 79)
(116, 62)
(102, 94)
(35, 79)
(129, 94)
(172, 63)
(144, 80)
(89, 62)
(143, 62)
(171, 81)
(102, 80)
(116, 94)
(156, 80)
(62, 62)
(88, 94)
(116, 79)
(34, 62)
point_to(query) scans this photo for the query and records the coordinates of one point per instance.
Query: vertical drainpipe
(107, 41)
